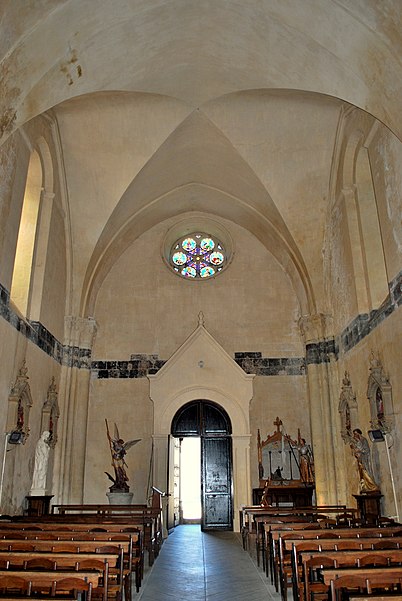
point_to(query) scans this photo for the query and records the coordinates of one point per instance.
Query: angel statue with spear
(118, 449)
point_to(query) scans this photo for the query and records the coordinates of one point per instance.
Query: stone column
(74, 400)
(161, 458)
(321, 371)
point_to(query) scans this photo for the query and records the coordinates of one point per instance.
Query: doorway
(209, 423)
(190, 479)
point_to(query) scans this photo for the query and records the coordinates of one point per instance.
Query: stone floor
(204, 566)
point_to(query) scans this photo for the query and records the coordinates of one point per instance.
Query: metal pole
(3, 466)
(392, 477)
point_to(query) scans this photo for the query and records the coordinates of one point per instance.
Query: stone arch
(45, 156)
(191, 413)
(20, 403)
(236, 414)
(356, 188)
(42, 229)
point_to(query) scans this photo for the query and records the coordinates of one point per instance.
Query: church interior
(201, 235)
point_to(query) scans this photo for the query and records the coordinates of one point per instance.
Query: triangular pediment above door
(201, 369)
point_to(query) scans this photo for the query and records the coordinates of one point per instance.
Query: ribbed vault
(198, 169)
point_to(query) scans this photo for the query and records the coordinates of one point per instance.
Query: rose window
(197, 256)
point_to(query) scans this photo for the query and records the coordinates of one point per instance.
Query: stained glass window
(197, 256)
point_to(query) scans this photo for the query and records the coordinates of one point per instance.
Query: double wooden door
(211, 423)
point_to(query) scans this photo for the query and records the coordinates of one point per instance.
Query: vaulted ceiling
(225, 107)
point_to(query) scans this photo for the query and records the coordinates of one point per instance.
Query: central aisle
(204, 566)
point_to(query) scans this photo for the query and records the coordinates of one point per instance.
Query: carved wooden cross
(278, 423)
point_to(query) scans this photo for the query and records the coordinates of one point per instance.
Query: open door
(210, 422)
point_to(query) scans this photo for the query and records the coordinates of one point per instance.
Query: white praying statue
(41, 460)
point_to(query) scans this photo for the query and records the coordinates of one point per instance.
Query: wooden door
(216, 485)
(211, 422)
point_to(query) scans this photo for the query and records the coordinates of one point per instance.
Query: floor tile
(205, 566)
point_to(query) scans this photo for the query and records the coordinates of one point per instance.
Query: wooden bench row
(43, 588)
(151, 539)
(293, 543)
(306, 564)
(83, 529)
(288, 545)
(149, 517)
(79, 546)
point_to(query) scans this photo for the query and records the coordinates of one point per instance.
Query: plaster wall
(142, 307)
(384, 340)
(154, 310)
(280, 396)
(14, 159)
(126, 403)
(342, 292)
(19, 461)
(386, 160)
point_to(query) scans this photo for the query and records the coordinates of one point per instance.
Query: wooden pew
(137, 548)
(148, 520)
(253, 517)
(327, 546)
(9, 585)
(149, 517)
(71, 552)
(363, 578)
(101, 509)
(341, 559)
(282, 545)
(133, 540)
(109, 564)
(44, 579)
(247, 512)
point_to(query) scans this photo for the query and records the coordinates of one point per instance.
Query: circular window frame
(197, 259)
(197, 224)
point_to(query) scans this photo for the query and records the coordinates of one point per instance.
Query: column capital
(45, 194)
(315, 328)
(80, 331)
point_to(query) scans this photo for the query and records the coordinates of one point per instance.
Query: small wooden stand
(38, 505)
(369, 507)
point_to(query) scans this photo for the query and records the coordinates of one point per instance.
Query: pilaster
(74, 402)
(321, 373)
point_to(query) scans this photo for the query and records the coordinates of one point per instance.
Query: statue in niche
(379, 394)
(361, 451)
(20, 416)
(347, 409)
(42, 451)
(379, 404)
(118, 450)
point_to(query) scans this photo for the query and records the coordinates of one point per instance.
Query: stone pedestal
(38, 505)
(369, 507)
(120, 498)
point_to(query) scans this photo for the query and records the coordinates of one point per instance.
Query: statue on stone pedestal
(118, 449)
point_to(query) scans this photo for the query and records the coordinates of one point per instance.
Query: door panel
(211, 422)
(216, 483)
